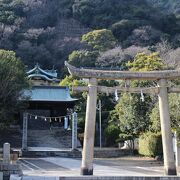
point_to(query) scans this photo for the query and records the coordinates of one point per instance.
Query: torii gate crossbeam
(161, 90)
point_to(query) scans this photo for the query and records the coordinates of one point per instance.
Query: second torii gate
(162, 91)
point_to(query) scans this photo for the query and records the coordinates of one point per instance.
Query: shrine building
(46, 98)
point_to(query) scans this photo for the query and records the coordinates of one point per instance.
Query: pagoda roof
(50, 75)
(48, 94)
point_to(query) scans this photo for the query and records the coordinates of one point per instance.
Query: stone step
(63, 153)
(55, 138)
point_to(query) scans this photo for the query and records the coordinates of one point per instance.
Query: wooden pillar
(25, 127)
(169, 162)
(88, 147)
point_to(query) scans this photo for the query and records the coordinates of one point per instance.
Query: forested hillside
(168, 6)
(48, 31)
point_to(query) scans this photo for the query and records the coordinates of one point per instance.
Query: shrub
(150, 144)
(112, 134)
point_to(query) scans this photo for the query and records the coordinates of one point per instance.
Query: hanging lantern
(35, 117)
(142, 96)
(116, 95)
(65, 123)
(107, 92)
(69, 117)
(30, 116)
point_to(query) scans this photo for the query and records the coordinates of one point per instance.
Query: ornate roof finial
(37, 64)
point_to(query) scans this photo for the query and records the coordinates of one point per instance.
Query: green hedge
(150, 144)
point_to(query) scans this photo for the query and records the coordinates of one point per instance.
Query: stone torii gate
(162, 90)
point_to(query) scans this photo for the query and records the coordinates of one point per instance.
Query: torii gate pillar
(169, 162)
(88, 146)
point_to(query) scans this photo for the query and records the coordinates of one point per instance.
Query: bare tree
(169, 55)
(115, 57)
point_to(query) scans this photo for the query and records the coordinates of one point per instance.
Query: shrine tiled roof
(49, 93)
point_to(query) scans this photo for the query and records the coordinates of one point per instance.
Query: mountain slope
(167, 6)
(48, 31)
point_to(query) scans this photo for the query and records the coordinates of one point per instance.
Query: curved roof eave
(43, 76)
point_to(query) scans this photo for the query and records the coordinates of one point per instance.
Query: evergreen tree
(12, 82)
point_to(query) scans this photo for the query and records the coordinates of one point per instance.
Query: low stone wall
(104, 178)
(119, 178)
(13, 156)
(70, 154)
(110, 152)
(98, 153)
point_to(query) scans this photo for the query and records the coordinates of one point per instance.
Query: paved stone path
(57, 166)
